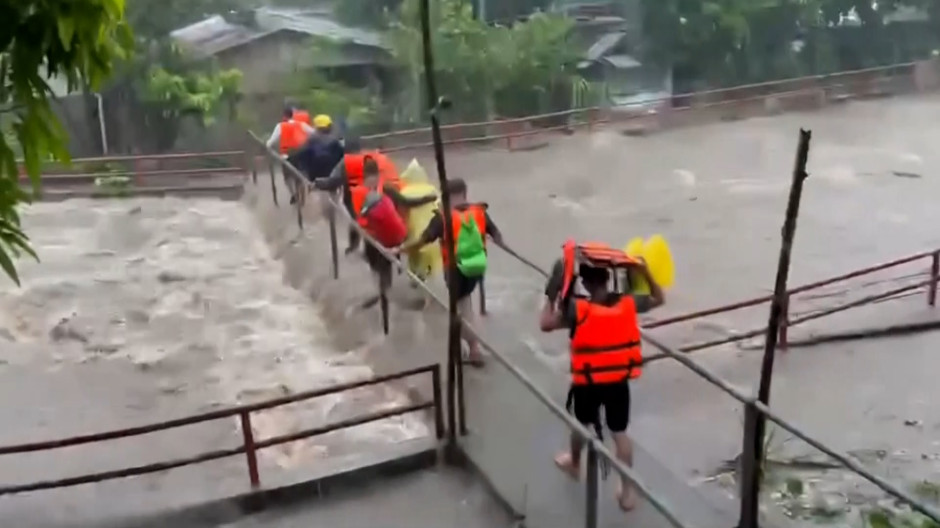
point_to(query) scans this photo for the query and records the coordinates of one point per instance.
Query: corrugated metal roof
(624, 62)
(305, 22)
(604, 45)
(215, 34)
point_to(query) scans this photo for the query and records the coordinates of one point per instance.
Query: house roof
(215, 34)
(623, 62)
(313, 24)
(604, 45)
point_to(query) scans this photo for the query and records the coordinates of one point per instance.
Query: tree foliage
(368, 13)
(724, 42)
(78, 40)
(508, 69)
(165, 84)
(327, 93)
(176, 87)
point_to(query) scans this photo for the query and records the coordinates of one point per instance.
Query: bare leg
(465, 309)
(570, 461)
(624, 448)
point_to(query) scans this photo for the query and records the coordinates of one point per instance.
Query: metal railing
(597, 452)
(250, 445)
(673, 110)
(189, 173)
(787, 322)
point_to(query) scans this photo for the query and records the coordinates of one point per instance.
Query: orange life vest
(605, 347)
(387, 171)
(475, 211)
(358, 193)
(292, 135)
(353, 165)
(302, 116)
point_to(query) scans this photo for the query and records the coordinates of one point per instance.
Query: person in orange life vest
(361, 196)
(457, 190)
(289, 134)
(605, 355)
(348, 173)
(302, 116)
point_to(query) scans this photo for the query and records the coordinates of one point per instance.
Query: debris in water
(170, 276)
(913, 423)
(63, 331)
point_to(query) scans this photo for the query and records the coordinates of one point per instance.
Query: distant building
(611, 33)
(278, 42)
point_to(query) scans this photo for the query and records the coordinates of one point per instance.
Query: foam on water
(187, 290)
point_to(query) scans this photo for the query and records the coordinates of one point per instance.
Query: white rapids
(185, 290)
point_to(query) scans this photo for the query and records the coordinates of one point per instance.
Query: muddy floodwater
(179, 306)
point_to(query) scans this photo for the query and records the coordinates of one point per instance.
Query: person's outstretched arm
(275, 137)
(335, 180)
(495, 234)
(401, 200)
(552, 316)
(655, 298)
(432, 232)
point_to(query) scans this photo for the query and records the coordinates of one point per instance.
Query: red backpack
(381, 220)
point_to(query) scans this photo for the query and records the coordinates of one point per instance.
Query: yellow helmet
(322, 121)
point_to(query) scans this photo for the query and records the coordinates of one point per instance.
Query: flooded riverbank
(186, 293)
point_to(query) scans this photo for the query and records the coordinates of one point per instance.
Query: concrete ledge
(334, 478)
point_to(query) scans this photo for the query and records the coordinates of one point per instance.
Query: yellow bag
(425, 261)
(658, 257)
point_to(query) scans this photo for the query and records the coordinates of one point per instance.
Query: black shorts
(614, 397)
(377, 261)
(466, 285)
(347, 200)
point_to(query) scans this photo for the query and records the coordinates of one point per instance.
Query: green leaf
(6, 263)
(66, 32)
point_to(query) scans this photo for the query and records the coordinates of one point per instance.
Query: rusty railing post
(934, 277)
(438, 401)
(784, 323)
(250, 167)
(334, 245)
(508, 128)
(273, 183)
(250, 451)
(461, 402)
(301, 191)
(591, 515)
(383, 304)
(748, 471)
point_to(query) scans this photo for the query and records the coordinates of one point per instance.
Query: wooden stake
(454, 365)
(756, 424)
